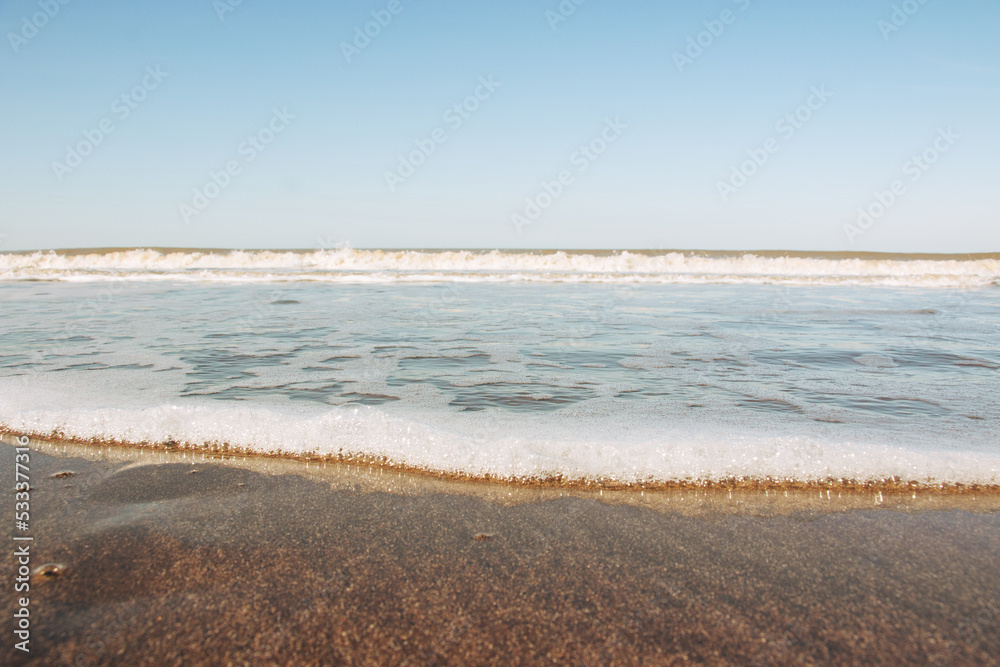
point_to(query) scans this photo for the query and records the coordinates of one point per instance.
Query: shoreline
(747, 495)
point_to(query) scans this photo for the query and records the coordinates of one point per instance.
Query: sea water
(625, 367)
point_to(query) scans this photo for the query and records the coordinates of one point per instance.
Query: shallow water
(630, 381)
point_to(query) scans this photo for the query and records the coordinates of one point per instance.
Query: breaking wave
(360, 266)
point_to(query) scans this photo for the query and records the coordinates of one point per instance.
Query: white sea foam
(359, 266)
(635, 448)
(368, 431)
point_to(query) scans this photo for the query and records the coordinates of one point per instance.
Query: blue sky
(329, 127)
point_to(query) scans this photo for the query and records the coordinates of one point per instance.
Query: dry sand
(170, 560)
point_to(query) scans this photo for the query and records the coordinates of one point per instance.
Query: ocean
(591, 367)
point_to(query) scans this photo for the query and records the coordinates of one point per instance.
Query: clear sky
(116, 115)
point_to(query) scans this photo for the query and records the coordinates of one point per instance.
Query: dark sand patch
(240, 566)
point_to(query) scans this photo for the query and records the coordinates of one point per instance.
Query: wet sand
(179, 560)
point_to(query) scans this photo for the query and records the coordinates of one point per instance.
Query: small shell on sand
(50, 571)
(480, 537)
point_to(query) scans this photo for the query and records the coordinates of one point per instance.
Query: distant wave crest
(353, 265)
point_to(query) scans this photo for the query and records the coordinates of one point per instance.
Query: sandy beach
(167, 559)
(564, 333)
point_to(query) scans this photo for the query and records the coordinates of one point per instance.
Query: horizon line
(833, 254)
